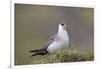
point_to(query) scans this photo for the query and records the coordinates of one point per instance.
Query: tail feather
(35, 50)
(39, 52)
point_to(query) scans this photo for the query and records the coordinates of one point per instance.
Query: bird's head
(62, 26)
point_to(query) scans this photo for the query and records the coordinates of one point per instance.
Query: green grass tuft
(66, 56)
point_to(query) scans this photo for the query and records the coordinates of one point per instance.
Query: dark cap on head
(62, 24)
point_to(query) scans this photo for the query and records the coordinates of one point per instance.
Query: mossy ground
(66, 56)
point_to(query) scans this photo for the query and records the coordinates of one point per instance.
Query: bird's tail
(35, 50)
(39, 52)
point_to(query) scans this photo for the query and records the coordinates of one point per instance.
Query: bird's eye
(62, 24)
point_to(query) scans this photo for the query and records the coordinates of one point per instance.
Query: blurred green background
(34, 24)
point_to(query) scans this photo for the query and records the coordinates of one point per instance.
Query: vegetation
(66, 56)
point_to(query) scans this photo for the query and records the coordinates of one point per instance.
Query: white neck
(62, 33)
(60, 29)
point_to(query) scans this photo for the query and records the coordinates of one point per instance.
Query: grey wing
(50, 40)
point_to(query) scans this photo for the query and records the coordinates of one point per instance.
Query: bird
(57, 42)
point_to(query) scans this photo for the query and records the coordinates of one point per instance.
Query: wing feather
(50, 40)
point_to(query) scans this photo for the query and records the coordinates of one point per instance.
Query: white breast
(61, 43)
(55, 46)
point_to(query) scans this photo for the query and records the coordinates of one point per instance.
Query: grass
(66, 56)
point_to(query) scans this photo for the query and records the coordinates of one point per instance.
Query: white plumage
(61, 40)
